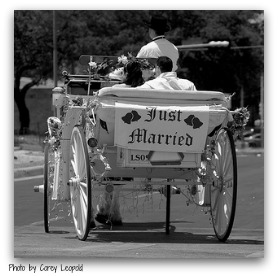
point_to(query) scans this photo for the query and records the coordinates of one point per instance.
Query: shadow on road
(58, 232)
(155, 233)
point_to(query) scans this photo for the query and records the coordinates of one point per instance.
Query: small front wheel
(224, 189)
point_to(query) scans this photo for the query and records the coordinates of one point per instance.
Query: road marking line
(28, 178)
(258, 254)
(42, 221)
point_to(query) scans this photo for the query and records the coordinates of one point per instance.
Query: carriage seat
(167, 96)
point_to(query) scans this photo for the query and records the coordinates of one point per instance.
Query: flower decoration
(77, 101)
(107, 66)
(54, 126)
(54, 131)
(241, 117)
(101, 69)
(93, 65)
(122, 59)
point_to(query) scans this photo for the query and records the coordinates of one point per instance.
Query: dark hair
(159, 31)
(134, 75)
(159, 24)
(165, 64)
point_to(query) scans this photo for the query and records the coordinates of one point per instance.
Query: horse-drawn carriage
(110, 138)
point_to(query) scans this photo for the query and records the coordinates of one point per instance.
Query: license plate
(138, 156)
(146, 158)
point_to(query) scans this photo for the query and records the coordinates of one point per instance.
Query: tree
(32, 56)
(231, 69)
(116, 32)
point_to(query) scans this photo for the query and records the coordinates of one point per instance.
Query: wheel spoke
(228, 158)
(217, 218)
(73, 200)
(228, 199)
(228, 169)
(228, 181)
(83, 210)
(217, 162)
(222, 218)
(74, 156)
(225, 152)
(229, 191)
(81, 168)
(79, 211)
(73, 163)
(73, 206)
(215, 195)
(80, 159)
(220, 213)
(83, 193)
(80, 155)
(73, 146)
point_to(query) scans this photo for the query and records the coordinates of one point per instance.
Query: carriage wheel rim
(223, 191)
(79, 184)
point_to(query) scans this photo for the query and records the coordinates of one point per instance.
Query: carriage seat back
(163, 96)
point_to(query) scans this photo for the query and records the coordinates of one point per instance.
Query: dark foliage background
(237, 68)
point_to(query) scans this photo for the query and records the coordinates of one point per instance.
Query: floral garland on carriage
(110, 70)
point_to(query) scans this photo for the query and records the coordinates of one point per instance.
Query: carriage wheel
(80, 183)
(224, 190)
(48, 179)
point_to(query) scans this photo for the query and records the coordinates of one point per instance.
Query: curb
(250, 151)
(27, 172)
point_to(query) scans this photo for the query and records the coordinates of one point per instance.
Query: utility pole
(241, 96)
(262, 110)
(54, 49)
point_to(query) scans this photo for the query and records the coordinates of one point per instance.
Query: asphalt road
(143, 233)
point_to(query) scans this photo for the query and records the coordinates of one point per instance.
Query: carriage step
(39, 189)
